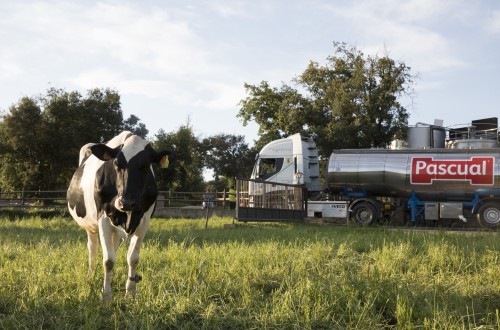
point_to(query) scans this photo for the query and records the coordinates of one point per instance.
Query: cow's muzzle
(125, 204)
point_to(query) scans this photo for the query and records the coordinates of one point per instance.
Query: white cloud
(424, 50)
(242, 9)
(152, 89)
(157, 89)
(207, 94)
(404, 28)
(89, 78)
(230, 9)
(9, 70)
(146, 39)
(140, 51)
(408, 12)
(149, 40)
(222, 95)
(493, 22)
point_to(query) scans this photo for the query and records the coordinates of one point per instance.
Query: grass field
(252, 276)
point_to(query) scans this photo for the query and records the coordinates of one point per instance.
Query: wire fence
(57, 198)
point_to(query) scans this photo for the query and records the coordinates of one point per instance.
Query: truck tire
(364, 214)
(489, 215)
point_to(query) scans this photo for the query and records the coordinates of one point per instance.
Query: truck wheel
(489, 215)
(364, 214)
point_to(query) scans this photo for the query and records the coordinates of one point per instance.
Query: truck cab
(291, 160)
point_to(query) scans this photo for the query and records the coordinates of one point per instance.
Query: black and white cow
(112, 196)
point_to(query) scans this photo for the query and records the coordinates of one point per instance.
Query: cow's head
(134, 177)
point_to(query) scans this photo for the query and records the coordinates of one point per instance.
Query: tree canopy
(228, 156)
(351, 102)
(186, 172)
(42, 136)
(40, 139)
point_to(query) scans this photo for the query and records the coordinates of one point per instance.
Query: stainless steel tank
(425, 137)
(474, 144)
(435, 174)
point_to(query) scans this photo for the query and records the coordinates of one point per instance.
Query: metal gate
(265, 201)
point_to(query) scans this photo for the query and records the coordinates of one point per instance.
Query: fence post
(224, 199)
(238, 197)
(170, 197)
(22, 197)
(160, 200)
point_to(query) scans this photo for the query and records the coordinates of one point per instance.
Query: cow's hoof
(106, 297)
(130, 289)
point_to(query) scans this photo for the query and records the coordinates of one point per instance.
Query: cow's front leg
(133, 261)
(133, 256)
(92, 245)
(106, 233)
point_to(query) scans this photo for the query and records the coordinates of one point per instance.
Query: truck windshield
(269, 166)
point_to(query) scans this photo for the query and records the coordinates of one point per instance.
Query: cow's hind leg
(92, 245)
(108, 254)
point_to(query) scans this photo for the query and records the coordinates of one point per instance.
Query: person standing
(232, 197)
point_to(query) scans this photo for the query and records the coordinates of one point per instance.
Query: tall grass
(253, 276)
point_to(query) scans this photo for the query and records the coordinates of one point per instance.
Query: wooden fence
(26, 198)
(57, 198)
(178, 198)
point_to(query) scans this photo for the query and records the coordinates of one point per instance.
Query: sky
(186, 62)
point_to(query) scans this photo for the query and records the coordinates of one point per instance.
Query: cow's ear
(162, 158)
(103, 152)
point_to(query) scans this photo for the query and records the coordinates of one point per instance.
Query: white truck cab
(291, 160)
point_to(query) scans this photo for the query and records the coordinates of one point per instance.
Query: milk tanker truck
(437, 174)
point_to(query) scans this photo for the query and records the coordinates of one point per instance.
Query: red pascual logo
(477, 170)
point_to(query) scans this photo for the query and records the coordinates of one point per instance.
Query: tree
(42, 136)
(351, 102)
(278, 112)
(101, 110)
(186, 171)
(132, 124)
(228, 156)
(21, 157)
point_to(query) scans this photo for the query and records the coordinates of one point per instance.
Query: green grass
(253, 276)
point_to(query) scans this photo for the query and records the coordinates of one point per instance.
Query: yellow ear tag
(164, 162)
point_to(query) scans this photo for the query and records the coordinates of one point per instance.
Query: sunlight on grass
(265, 276)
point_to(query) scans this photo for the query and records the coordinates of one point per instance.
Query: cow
(112, 195)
